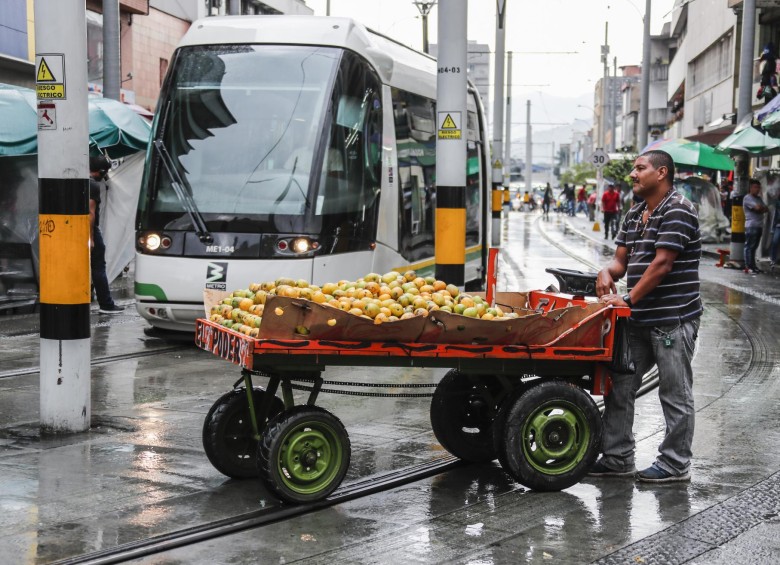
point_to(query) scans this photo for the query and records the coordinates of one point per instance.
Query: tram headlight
(303, 245)
(152, 242)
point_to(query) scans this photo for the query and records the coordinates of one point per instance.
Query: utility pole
(63, 214)
(603, 104)
(744, 107)
(529, 149)
(508, 126)
(451, 83)
(234, 8)
(424, 6)
(327, 8)
(552, 164)
(613, 91)
(112, 66)
(498, 122)
(644, 95)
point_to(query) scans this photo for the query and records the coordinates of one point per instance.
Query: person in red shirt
(582, 201)
(610, 205)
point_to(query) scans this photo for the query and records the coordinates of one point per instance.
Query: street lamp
(425, 7)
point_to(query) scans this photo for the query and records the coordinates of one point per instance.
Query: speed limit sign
(599, 158)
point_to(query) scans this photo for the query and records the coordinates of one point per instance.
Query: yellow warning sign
(50, 91)
(497, 164)
(44, 73)
(50, 76)
(448, 123)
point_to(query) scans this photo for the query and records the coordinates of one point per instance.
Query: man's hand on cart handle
(613, 300)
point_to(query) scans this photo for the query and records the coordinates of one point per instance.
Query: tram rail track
(259, 518)
(104, 360)
(266, 516)
(361, 488)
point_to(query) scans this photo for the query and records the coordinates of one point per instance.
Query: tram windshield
(267, 138)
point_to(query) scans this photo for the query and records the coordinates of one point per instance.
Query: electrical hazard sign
(50, 76)
(47, 116)
(449, 125)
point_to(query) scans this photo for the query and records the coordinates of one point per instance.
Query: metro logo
(216, 272)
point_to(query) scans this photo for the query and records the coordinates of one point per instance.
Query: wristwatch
(627, 299)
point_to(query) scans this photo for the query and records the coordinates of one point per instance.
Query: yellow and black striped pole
(450, 242)
(63, 221)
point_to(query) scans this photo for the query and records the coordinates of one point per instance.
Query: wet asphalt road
(141, 471)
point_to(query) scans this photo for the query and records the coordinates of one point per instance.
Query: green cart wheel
(228, 437)
(550, 436)
(304, 454)
(463, 409)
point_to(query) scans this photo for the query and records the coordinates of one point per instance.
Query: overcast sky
(533, 26)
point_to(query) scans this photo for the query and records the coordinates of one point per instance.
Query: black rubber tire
(289, 438)
(500, 421)
(228, 439)
(551, 435)
(463, 409)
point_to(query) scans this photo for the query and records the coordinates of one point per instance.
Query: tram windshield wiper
(178, 185)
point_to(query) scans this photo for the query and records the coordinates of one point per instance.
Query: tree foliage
(578, 173)
(618, 170)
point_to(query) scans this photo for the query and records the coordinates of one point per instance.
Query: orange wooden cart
(529, 405)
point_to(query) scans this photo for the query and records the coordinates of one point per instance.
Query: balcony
(657, 117)
(659, 72)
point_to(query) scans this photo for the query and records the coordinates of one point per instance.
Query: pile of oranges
(382, 298)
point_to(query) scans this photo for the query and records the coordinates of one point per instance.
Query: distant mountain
(553, 118)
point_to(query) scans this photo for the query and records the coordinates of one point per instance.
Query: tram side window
(351, 171)
(416, 143)
(472, 181)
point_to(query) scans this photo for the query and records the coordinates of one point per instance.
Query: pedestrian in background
(582, 201)
(568, 194)
(98, 169)
(768, 66)
(774, 251)
(658, 248)
(610, 205)
(592, 206)
(754, 209)
(547, 200)
(725, 198)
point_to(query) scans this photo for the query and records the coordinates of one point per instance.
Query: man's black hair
(754, 181)
(660, 158)
(99, 163)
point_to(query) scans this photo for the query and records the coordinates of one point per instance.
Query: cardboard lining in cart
(533, 327)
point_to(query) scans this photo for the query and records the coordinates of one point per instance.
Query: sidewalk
(710, 250)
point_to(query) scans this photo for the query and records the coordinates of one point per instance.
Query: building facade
(149, 33)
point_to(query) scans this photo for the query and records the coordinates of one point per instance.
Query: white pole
(451, 85)
(112, 66)
(529, 149)
(508, 141)
(498, 122)
(63, 188)
(644, 95)
(603, 119)
(744, 107)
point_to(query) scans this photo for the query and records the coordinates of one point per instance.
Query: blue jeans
(752, 239)
(775, 244)
(97, 261)
(671, 348)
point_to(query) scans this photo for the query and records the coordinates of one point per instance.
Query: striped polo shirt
(674, 224)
